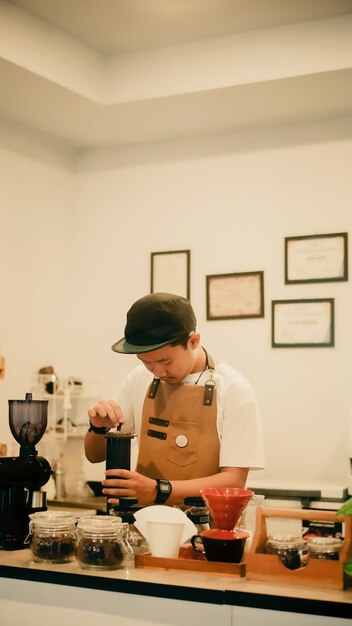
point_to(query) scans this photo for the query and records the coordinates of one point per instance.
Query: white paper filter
(165, 529)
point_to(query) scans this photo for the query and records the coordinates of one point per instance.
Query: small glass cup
(248, 518)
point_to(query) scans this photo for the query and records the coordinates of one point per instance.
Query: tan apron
(179, 438)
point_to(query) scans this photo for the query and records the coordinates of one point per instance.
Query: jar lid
(58, 520)
(285, 541)
(101, 524)
(324, 544)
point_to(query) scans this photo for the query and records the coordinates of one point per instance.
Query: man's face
(171, 363)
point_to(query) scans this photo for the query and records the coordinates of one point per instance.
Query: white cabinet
(32, 603)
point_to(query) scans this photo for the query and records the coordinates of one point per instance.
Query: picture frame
(170, 272)
(316, 258)
(238, 295)
(307, 323)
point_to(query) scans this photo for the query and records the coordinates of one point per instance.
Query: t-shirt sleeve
(242, 436)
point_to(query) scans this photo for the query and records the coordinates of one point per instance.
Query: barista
(197, 420)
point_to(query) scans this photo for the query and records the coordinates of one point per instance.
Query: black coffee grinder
(22, 477)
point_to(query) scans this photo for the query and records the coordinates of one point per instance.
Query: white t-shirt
(238, 414)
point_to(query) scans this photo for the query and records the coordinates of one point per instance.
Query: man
(197, 420)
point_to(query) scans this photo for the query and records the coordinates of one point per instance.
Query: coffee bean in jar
(52, 537)
(327, 548)
(291, 550)
(100, 543)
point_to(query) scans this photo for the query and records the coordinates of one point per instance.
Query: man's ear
(194, 340)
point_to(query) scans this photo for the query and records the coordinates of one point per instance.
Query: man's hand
(121, 483)
(106, 413)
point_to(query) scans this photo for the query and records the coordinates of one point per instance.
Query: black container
(118, 454)
(197, 512)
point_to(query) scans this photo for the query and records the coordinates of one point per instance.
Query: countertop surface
(187, 585)
(80, 502)
(197, 586)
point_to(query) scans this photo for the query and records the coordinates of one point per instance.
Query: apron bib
(179, 438)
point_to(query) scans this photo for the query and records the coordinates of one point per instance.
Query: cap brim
(123, 347)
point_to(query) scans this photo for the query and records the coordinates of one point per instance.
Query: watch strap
(163, 490)
(98, 430)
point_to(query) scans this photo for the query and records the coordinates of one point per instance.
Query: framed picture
(316, 258)
(170, 272)
(303, 323)
(235, 296)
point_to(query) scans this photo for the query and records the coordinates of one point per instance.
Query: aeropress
(118, 455)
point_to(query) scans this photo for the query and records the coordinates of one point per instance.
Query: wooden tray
(189, 560)
(318, 573)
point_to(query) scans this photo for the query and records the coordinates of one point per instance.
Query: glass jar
(125, 511)
(291, 550)
(102, 543)
(324, 548)
(137, 542)
(52, 536)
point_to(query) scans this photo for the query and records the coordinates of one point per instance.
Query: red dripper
(226, 504)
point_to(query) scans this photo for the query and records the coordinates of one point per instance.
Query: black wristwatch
(163, 490)
(98, 430)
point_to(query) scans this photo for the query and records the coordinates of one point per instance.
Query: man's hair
(180, 341)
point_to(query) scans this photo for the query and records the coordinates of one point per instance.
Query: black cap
(154, 321)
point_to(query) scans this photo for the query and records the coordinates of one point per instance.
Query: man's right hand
(106, 413)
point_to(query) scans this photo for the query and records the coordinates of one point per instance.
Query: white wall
(75, 253)
(36, 263)
(230, 200)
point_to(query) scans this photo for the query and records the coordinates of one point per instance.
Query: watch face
(163, 491)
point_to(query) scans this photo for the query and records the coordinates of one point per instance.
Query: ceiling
(115, 26)
(110, 30)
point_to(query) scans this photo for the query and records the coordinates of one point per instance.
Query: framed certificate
(303, 323)
(233, 296)
(316, 258)
(170, 272)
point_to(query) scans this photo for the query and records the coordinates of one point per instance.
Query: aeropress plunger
(118, 456)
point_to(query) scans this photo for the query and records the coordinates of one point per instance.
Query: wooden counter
(201, 593)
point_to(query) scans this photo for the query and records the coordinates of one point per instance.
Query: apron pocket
(183, 443)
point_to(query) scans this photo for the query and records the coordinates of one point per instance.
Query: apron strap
(153, 388)
(210, 384)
